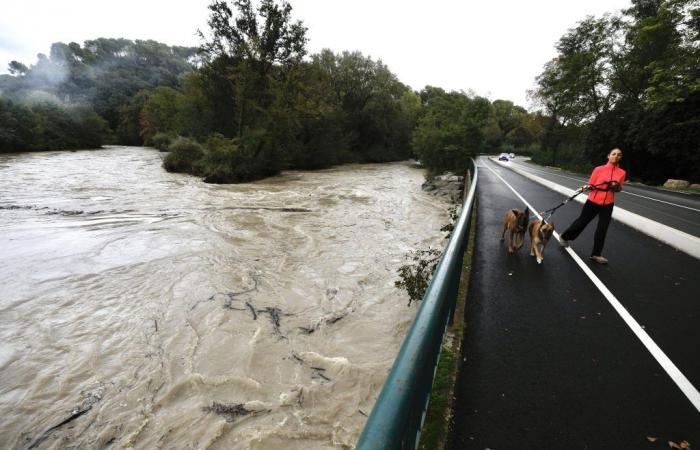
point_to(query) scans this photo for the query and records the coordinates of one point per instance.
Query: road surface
(549, 363)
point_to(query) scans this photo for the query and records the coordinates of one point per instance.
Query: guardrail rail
(399, 412)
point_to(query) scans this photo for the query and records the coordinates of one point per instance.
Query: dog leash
(549, 212)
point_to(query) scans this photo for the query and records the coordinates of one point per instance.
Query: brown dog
(515, 222)
(540, 233)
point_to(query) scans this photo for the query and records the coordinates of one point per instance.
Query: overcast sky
(494, 47)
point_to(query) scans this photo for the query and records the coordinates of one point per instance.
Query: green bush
(569, 157)
(162, 141)
(222, 161)
(415, 276)
(185, 155)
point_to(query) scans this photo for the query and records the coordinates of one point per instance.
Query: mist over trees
(74, 97)
(250, 101)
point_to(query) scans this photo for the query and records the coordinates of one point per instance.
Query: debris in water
(319, 374)
(252, 310)
(231, 296)
(297, 358)
(331, 293)
(74, 415)
(90, 398)
(300, 398)
(229, 412)
(328, 321)
(275, 317)
(309, 330)
(334, 319)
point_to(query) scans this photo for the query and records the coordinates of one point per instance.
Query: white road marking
(523, 167)
(676, 375)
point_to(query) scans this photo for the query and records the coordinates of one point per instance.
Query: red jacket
(601, 174)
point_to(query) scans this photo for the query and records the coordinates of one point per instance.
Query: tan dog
(540, 233)
(515, 222)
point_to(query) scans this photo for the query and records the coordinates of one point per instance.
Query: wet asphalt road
(675, 209)
(549, 364)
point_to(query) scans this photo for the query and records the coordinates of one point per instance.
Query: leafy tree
(450, 132)
(250, 43)
(129, 128)
(574, 85)
(631, 82)
(17, 68)
(378, 109)
(48, 126)
(160, 113)
(659, 61)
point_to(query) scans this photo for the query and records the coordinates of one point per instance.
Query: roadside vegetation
(629, 80)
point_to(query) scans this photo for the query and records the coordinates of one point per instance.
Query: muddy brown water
(142, 309)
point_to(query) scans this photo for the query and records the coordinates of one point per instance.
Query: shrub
(223, 161)
(185, 155)
(162, 141)
(415, 276)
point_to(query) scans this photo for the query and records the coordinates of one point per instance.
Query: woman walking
(605, 181)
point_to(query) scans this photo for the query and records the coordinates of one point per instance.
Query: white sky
(494, 47)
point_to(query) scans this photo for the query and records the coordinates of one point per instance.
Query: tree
(450, 132)
(510, 119)
(17, 68)
(250, 43)
(660, 59)
(378, 109)
(575, 85)
(160, 113)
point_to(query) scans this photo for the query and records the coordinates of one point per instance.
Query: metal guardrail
(398, 414)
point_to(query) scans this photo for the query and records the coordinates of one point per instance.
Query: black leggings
(589, 211)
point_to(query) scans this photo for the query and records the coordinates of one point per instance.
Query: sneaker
(599, 259)
(563, 243)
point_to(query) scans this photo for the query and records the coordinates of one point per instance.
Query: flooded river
(142, 309)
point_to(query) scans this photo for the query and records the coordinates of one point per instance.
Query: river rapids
(144, 309)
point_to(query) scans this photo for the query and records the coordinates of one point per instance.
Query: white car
(504, 157)
(512, 155)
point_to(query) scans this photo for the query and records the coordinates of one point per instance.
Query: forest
(250, 101)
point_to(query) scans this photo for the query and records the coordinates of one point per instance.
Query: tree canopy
(616, 79)
(250, 101)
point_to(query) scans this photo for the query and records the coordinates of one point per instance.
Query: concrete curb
(677, 239)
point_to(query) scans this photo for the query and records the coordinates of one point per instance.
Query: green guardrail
(398, 414)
